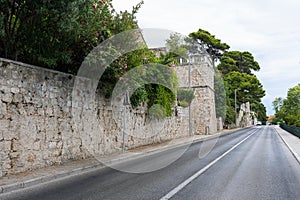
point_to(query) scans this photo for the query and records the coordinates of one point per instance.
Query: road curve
(251, 163)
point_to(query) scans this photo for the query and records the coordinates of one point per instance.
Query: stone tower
(201, 80)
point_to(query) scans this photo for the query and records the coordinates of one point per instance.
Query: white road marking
(190, 179)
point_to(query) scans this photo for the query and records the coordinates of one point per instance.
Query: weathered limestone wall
(203, 105)
(35, 114)
(245, 115)
(41, 125)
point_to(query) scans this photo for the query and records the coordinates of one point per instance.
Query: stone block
(52, 145)
(14, 155)
(1, 138)
(41, 111)
(56, 153)
(4, 88)
(57, 112)
(6, 166)
(22, 110)
(31, 110)
(31, 158)
(20, 164)
(4, 124)
(17, 98)
(16, 75)
(3, 108)
(52, 95)
(27, 98)
(44, 87)
(6, 146)
(16, 146)
(51, 124)
(7, 97)
(14, 90)
(49, 111)
(6, 72)
(10, 135)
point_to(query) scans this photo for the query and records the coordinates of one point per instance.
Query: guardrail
(292, 129)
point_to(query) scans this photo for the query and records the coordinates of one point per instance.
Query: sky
(269, 29)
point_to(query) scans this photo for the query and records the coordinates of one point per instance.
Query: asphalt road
(252, 163)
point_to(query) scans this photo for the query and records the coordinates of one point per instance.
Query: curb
(295, 154)
(48, 178)
(43, 179)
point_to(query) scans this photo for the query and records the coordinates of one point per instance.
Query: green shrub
(292, 129)
(185, 97)
(183, 103)
(157, 111)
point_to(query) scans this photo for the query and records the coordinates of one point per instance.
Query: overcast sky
(269, 29)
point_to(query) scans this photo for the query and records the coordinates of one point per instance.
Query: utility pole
(126, 103)
(189, 75)
(235, 108)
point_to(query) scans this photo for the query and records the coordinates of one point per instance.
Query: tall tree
(38, 31)
(277, 104)
(58, 34)
(210, 43)
(289, 111)
(220, 95)
(248, 89)
(175, 45)
(200, 41)
(236, 61)
(260, 111)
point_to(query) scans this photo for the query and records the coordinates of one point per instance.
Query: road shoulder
(291, 141)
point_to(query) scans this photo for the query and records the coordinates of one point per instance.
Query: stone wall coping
(34, 67)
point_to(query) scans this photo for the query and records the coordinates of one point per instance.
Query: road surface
(251, 163)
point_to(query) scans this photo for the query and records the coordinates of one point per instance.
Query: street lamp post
(189, 75)
(126, 102)
(235, 108)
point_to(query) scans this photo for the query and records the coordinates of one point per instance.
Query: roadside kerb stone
(284, 135)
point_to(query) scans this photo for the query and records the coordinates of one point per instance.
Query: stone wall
(41, 125)
(245, 116)
(202, 82)
(35, 115)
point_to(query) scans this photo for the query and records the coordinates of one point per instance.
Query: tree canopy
(236, 61)
(288, 110)
(174, 44)
(58, 34)
(248, 89)
(210, 43)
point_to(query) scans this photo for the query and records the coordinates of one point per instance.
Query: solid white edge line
(289, 147)
(190, 179)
